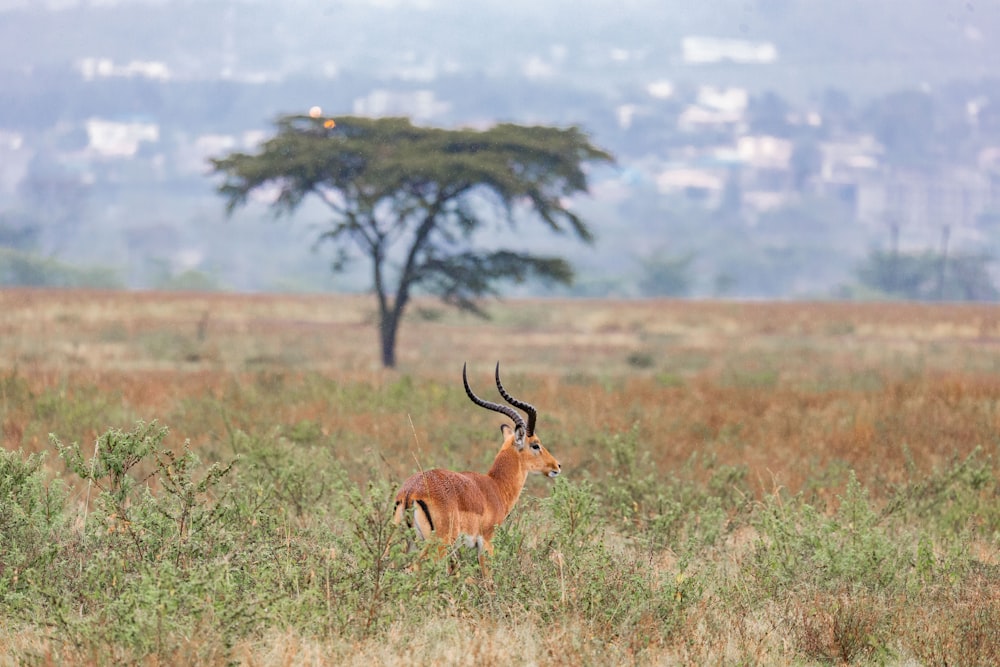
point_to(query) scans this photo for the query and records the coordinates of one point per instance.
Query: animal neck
(509, 475)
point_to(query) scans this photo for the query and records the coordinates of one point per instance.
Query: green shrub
(668, 511)
(954, 499)
(31, 520)
(849, 548)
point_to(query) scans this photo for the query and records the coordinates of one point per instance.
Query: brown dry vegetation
(794, 395)
(784, 388)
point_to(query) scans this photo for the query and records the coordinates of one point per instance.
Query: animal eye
(536, 446)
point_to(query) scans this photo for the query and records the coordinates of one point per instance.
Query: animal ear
(518, 438)
(518, 435)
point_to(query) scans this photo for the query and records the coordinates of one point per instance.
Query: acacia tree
(409, 200)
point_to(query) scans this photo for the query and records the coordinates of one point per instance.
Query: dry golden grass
(784, 388)
(130, 331)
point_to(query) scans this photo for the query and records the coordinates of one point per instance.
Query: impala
(447, 505)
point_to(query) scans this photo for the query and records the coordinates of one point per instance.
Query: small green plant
(952, 497)
(31, 522)
(375, 550)
(184, 501)
(119, 467)
(27, 502)
(849, 548)
(573, 506)
(298, 475)
(632, 483)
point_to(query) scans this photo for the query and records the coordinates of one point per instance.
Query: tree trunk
(388, 324)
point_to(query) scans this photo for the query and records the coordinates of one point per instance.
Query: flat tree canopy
(408, 199)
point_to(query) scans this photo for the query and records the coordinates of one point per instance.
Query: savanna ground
(207, 479)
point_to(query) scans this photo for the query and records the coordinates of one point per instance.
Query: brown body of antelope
(449, 505)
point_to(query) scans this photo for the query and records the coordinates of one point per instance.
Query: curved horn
(495, 407)
(527, 407)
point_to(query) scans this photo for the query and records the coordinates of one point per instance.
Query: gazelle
(448, 504)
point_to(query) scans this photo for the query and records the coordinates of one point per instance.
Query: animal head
(521, 437)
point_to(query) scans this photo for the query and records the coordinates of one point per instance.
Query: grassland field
(207, 478)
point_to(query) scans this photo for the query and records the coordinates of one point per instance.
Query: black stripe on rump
(406, 515)
(427, 513)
